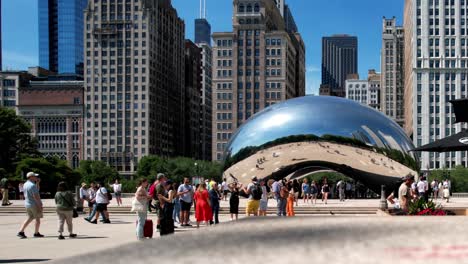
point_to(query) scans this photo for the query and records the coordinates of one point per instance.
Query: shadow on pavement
(22, 260)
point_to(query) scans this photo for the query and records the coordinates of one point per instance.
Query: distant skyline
(315, 19)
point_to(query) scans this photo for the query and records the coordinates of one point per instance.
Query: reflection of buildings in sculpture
(53, 106)
(377, 141)
(352, 144)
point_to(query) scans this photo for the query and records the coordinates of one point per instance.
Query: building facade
(366, 92)
(134, 82)
(254, 66)
(193, 89)
(393, 74)
(339, 58)
(61, 35)
(206, 108)
(202, 31)
(436, 69)
(10, 82)
(53, 107)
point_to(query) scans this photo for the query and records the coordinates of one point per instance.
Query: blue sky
(315, 18)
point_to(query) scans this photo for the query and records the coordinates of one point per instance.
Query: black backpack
(257, 192)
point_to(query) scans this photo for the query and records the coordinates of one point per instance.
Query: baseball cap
(254, 178)
(161, 175)
(408, 177)
(32, 174)
(169, 182)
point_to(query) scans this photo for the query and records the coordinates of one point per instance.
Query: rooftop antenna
(204, 9)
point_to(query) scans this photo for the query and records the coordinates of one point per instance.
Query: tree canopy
(15, 141)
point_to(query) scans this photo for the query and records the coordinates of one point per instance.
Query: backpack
(108, 194)
(257, 192)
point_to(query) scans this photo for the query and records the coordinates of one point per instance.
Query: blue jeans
(215, 211)
(281, 206)
(176, 213)
(141, 220)
(93, 212)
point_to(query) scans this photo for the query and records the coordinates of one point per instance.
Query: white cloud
(13, 60)
(312, 68)
(313, 81)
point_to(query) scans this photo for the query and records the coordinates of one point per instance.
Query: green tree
(97, 171)
(51, 171)
(150, 166)
(15, 140)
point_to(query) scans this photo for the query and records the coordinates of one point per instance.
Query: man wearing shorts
(185, 192)
(33, 204)
(225, 189)
(252, 204)
(101, 204)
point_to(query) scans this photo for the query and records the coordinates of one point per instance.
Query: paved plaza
(339, 239)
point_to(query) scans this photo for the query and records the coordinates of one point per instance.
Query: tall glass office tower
(61, 35)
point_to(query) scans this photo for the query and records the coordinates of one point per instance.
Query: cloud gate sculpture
(314, 133)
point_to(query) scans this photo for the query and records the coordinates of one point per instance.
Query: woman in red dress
(203, 207)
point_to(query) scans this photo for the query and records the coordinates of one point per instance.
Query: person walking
(91, 201)
(225, 189)
(422, 188)
(83, 195)
(140, 207)
(4, 186)
(21, 190)
(262, 211)
(313, 192)
(102, 200)
(290, 204)
(65, 204)
(215, 197)
(325, 191)
(296, 187)
(234, 200)
(176, 202)
(435, 189)
(203, 211)
(33, 204)
(305, 191)
(255, 194)
(341, 185)
(117, 187)
(185, 192)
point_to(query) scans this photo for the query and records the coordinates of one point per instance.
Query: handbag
(137, 206)
(75, 212)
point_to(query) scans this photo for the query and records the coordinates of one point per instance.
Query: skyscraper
(61, 35)
(339, 58)
(203, 41)
(134, 82)
(436, 72)
(392, 66)
(256, 65)
(1, 58)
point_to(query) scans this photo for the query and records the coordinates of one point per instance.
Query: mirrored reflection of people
(325, 191)
(313, 192)
(404, 192)
(33, 205)
(446, 194)
(290, 204)
(203, 211)
(234, 200)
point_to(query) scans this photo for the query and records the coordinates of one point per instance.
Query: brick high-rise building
(436, 60)
(339, 58)
(392, 66)
(256, 65)
(134, 81)
(53, 106)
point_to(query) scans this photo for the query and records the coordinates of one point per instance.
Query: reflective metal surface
(321, 131)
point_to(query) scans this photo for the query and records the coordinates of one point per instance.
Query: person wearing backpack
(255, 195)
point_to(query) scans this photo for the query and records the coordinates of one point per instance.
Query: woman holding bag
(65, 204)
(140, 206)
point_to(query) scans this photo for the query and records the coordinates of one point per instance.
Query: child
(290, 203)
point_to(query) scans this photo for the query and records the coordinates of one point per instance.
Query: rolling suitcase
(148, 228)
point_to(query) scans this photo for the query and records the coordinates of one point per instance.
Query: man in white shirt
(422, 187)
(101, 204)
